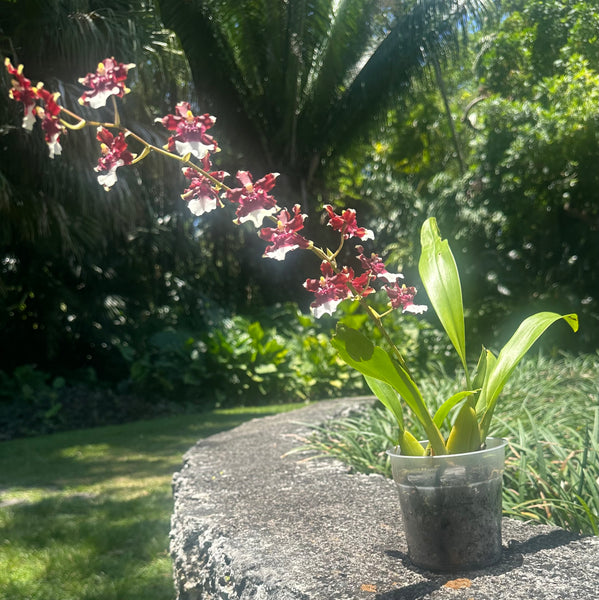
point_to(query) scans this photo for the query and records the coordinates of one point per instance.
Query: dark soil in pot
(455, 525)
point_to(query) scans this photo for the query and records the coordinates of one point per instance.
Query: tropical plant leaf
(410, 446)
(485, 364)
(388, 397)
(439, 274)
(444, 409)
(465, 433)
(525, 336)
(359, 352)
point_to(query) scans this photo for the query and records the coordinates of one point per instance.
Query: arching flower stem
(185, 160)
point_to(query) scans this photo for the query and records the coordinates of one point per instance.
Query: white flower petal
(390, 277)
(98, 100)
(416, 309)
(279, 253)
(200, 206)
(327, 308)
(28, 117)
(198, 149)
(107, 180)
(257, 216)
(54, 148)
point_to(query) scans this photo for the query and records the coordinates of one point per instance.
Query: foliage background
(124, 304)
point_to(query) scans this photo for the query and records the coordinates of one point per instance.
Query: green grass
(84, 515)
(549, 412)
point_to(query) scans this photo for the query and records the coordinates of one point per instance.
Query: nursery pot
(451, 506)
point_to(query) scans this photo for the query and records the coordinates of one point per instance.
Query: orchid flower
(386, 371)
(254, 201)
(284, 236)
(114, 155)
(108, 80)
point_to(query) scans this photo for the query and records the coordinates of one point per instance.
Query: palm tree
(295, 82)
(58, 42)
(67, 248)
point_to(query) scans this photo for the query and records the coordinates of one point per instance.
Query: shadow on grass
(85, 515)
(137, 450)
(88, 548)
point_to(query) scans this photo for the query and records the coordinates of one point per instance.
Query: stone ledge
(253, 522)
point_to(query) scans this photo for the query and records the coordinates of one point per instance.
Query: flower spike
(254, 201)
(332, 288)
(346, 223)
(375, 267)
(190, 132)
(404, 297)
(51, 124)
(202, 195)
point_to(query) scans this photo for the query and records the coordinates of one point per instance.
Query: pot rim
(496, 444)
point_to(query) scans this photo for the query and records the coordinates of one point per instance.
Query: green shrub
(280, 356)
(33, 402)
(29, 402)
(243, 361)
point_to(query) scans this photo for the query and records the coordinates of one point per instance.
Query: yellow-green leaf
(465, 434)
(439, 274)
(525, 336)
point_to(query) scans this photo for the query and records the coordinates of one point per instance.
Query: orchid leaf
(359, 352)
(444, 409)
(525, 336)
(439, 274)
(465, 433)
(388, 397)
(484, 366)
(410, 446)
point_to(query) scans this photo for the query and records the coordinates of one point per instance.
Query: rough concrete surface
(253, 521)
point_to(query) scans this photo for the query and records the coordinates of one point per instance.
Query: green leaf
(485, 364)
(465, 433)
(439, 274)
(444, 409)
(525, 336)
(388, 397)
(255, 331)
(410, 446)
(359, 352)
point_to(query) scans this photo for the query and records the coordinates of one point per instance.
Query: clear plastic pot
(451, 506)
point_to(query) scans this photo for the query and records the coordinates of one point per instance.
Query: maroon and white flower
(48, 113)
(254, 201)
(332, 288)
(403, 296)
(190, 132)
(22, 91)
(375, 266)
(202, 194)
(114, 155)
(284, 236)
(346, 223)
(108, 80)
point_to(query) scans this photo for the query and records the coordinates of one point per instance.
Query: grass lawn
(85, 515)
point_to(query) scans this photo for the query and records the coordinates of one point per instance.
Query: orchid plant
(466, 415)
